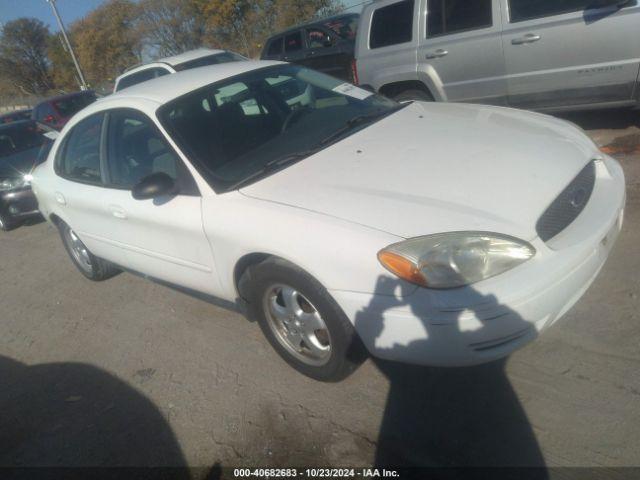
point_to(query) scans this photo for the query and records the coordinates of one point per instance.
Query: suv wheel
(6, 226)
(302, 322)
(412, 95)
(90, 266)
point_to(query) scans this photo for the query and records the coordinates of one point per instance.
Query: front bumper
(18, 205)
(491, 319)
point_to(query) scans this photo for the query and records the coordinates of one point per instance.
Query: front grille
(566, 208)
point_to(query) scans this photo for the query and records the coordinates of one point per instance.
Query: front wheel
(5, 226)
(412, 95)
(302, 322)
(90, 266)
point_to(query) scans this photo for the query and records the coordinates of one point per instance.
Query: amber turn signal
(403, 268)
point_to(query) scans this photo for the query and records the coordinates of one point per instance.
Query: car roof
(65, 96)
(188, 56)
(19, 123)
(168, 87)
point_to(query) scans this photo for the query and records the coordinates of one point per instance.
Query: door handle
(528, 38)
(437, 54)
(60, 198)
(118, 212)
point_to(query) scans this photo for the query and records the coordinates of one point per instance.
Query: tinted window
(293, 42)
(136, 149)
(81, 157)
(225, 57)
(275, 48)
(317, 38)
(450, 16)
(392, 25)
(345, 27)
(20, 137)
(521, 10)
(143, 76)
(69, 106)
(237, 130)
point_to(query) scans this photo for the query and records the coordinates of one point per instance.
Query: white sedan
(433, 234)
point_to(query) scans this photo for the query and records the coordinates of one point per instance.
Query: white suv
(542, 55)
(164, 66)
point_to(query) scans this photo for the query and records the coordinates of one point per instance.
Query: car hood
(434, 167)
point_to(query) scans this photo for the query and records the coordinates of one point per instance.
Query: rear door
(461, 49)
(563, 53)
(162, 237)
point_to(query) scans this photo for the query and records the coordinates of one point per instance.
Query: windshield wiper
(356, 122)
(273, 165)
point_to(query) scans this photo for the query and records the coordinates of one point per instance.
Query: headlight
(12, 183)
(449, 260)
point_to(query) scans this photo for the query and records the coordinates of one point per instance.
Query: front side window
(136, 149)
(293, 42)
(452, 16)
(317, 38)
(345, 27)
(392, 25)
(521, 10)
(80, 160)
(242, 129)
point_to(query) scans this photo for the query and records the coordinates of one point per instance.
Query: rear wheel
(412, 95)
(90, 266)
(302, 322)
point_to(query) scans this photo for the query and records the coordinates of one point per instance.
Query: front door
(461, 46)
(161, 237)
(561, 53)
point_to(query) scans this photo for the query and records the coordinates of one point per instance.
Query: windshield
(69, 106)
(215, 59)
(20, 137)
(248, 126)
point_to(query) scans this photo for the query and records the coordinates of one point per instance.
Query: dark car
(23, 146)
(56, 112)
(15, 116)
(325, 45)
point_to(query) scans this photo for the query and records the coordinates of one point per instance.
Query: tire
(327, 354)
(88, 264)
(412, 95)
(5, 226)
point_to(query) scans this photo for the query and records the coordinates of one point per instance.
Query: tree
(169, 27)
(243, 25)
(63, 71)
(23, 56)
(107, 41)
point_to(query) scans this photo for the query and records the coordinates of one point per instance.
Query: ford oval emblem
(578, 197)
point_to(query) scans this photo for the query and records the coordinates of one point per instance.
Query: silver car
(543, 54)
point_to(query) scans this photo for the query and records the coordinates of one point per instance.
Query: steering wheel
(293, 114)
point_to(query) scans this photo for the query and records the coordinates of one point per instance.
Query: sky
(71, 10)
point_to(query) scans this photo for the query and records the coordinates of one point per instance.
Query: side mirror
(155, 185)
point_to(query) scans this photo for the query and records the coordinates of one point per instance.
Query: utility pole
(82, 82)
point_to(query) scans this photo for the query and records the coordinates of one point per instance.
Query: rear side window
(392, 25)
(225, 57)
(80, 159)
(69, 106)
(275, 47)
(521, 10)
(293, 42)
(139, 77)
(452, 16)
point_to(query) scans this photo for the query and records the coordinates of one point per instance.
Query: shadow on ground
(71, 415)
(450, 417)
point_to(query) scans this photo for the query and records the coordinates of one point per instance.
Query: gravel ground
(129, 372)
